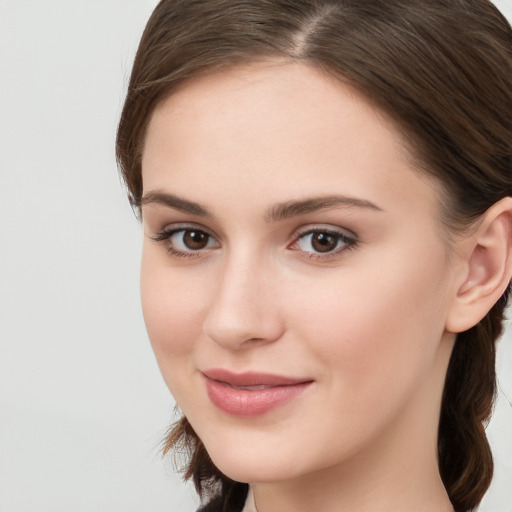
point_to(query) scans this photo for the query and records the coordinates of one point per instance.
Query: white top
(249, 506)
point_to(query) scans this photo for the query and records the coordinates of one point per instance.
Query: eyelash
(165, 237)
(349, 242)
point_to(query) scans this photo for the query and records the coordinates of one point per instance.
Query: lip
(251, 393)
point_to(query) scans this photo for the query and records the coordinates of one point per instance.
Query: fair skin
(357, 293)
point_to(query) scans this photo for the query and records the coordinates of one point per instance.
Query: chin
(252, 470)
(257, 460)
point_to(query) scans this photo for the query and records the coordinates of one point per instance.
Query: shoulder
(218, 505)
(233, 501)
(214, 505)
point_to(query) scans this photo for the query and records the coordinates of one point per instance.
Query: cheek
(173, 308)
(378, 329)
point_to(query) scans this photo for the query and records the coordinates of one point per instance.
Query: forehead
(277, 128)
(249, 94)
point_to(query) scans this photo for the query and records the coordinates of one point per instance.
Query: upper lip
(252, 378)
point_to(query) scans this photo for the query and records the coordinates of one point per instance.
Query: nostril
(243, 312)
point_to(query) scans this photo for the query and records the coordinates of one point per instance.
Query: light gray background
(82, 405)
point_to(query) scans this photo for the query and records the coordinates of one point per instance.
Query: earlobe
(488, 268)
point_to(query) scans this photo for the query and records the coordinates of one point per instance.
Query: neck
(398, 471)
(359, 487)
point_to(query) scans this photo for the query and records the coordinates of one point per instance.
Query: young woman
(325, 190)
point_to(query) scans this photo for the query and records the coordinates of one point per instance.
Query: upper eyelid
(163, 235)
(297, 233)
(185, 226)
(326, 229)
(349, 239)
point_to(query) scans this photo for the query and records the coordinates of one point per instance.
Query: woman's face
(295, 279)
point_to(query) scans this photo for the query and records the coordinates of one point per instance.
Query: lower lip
(251, 402)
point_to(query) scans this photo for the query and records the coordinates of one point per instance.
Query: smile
(251, 394)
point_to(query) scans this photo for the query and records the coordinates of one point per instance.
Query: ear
(487, 268)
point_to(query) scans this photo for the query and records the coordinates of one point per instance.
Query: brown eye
(187, 242)
(318, 242)
(324, 242)
(195, 240)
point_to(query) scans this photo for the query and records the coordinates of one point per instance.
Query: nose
(245, 308)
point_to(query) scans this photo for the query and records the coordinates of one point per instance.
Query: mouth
(251, 394)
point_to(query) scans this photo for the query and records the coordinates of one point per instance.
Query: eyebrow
(278, 212)
(175, 202)
(293, 208)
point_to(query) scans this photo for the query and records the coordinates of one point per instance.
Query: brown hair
(442, 71)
